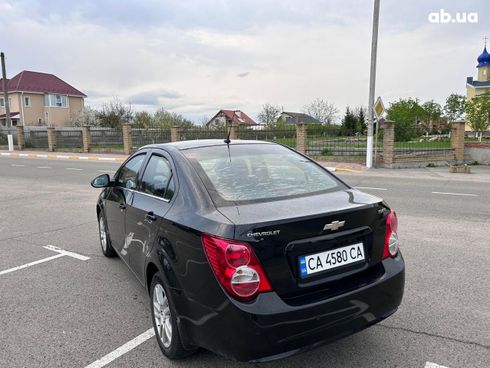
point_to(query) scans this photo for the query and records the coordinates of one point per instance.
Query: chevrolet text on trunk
(249, 249)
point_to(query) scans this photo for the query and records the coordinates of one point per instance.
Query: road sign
(379, 108)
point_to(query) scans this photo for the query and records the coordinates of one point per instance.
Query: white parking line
(457, 194)
(15, 165)
(67, 253)
(130, 345)
(74, 169)
(433, 365)
(30, 264)
(371, 188)
(61, 253)
(44, 167)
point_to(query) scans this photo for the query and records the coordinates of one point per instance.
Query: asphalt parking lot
(63, 304)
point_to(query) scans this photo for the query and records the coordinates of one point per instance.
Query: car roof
(183, 145)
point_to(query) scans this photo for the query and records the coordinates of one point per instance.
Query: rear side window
(258, 172)
(129, 172)
(157, 176)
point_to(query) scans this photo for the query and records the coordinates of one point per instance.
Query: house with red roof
(40, 99)
(229, 117)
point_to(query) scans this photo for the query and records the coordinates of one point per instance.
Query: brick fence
(392, 158)
(477, 151)
(326, 145)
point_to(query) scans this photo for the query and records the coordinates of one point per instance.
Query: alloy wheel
(102, 233)
(162, 315)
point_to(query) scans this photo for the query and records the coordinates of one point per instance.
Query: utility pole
(5, 92)
(372, 83)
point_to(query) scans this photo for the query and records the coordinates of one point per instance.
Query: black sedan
(249, 249)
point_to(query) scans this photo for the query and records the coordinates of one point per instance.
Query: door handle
(151, 216)
(122, 206)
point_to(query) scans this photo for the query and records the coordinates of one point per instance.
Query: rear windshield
(258, 172)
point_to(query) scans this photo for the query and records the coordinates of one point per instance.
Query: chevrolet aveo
(249, 249)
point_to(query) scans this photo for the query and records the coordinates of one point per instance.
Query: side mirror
(101, 181)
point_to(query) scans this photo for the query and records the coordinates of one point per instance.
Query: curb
(343, 169)
(63, 157)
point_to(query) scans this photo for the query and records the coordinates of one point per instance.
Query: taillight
(236, 267)
(391, 236)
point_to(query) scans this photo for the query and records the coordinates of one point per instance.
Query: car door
(118, 200)
(150, 203)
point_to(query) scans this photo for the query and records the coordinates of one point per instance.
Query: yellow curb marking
(347, 170)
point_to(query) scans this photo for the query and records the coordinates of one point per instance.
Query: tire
(164, 320)
(105, 240)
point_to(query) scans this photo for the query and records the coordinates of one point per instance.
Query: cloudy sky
(195, 57)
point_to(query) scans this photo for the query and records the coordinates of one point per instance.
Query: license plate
(331, 259)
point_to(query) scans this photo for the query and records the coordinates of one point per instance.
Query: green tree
(455, 107)
(322, 110)
(406, 113)
(142, 120)
(360, 113)
(269, 114)
(478, 113)
(349, 122)
(164, 119)
(432, 113)
(114, 114)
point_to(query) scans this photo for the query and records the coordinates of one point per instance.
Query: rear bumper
(270, 329)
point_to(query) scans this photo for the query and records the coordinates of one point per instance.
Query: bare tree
(269, 114)
(114, 114)
(203, 120)
(322, 110)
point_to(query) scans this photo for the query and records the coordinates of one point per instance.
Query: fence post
(86, 138)
(388, 142)
(51, 139)
(127, 138)
(457, 140)
(175, 134)
(301, 137)
(233, 131)
(21, 138)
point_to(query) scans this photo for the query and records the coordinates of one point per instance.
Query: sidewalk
(479, 173)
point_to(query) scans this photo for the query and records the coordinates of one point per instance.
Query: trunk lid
(283, 230)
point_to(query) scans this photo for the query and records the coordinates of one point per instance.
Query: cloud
(153, 98)
(186, 56)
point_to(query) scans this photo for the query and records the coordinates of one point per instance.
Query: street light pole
(372, 83)
(5, 92)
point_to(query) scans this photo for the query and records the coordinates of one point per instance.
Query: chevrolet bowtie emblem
(334, 225)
